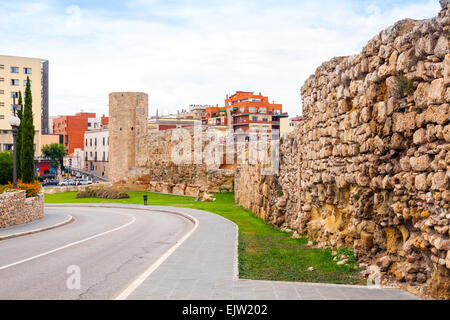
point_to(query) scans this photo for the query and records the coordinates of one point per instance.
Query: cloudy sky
(185, 52)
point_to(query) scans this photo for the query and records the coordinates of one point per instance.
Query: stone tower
(128, 112)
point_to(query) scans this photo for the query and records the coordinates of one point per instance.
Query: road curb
(19, 234)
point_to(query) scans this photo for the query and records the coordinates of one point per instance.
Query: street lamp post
(14, 121)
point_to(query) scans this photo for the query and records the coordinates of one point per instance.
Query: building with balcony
(246, 112)
(13, 77)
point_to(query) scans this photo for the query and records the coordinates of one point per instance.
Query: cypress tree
(28, 137)
(19, 140)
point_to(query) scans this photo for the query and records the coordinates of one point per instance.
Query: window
(27, 70)
(95, 141)
(103, 142)
(25, 83)
(2, 91)
(14, 69)
(2, 116)
(14, 94)
(2, 79)
(264, 119)
(252, 109)
(2, 66)
(242, 110)
(2, 104)
(89, 124)
(86, 142)
(14, 82)
(254, 119)
(262, 110)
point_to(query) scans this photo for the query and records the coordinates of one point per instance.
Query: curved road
(111, 247)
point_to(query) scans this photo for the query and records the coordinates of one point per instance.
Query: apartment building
(13, 75)
(72, 128)
(96, 151)
(246, 112)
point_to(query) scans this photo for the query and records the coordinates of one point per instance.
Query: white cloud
(189, 53)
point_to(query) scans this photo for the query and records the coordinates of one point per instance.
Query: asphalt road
(109, 247)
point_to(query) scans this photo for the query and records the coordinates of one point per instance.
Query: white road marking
(71, 244)
(140, 279)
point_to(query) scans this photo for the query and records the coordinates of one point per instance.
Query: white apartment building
(96, 151)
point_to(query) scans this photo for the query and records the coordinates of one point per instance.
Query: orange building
(72, 129)
(248, 111)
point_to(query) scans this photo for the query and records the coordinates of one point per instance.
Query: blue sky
(185, 52)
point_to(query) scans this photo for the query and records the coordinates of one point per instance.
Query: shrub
(404, 86)
(32, 189)
(102, 193)
(6, 167)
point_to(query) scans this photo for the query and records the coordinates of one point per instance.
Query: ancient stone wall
(373, 157)
(140, 159)
(15, 208)
(274, 198)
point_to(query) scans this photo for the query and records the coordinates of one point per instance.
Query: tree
(19, 155)
(6, 167)
(28, 137)
(54, 152)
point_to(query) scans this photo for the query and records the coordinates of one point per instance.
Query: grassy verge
(265, 253)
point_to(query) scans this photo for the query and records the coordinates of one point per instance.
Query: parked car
(63, 183)
(50, 183)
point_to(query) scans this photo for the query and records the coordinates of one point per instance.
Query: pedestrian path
(49, 221)
(205, 267)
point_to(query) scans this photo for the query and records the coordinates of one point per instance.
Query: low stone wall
(75, 188)
(217, 180)
(15, 208)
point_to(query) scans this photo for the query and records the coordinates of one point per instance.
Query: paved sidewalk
(49, 221)
(205, 267)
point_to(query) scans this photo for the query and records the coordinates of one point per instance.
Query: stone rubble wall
(15, 208)
(372, 157)
(274, 198)
(153, 168)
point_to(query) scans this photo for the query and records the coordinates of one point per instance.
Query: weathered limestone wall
(143, 160)
(156, 169)
(274, 198)
(15, 208)
(373, 157)
(128, 113)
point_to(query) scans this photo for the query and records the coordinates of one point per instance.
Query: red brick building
(72, 128)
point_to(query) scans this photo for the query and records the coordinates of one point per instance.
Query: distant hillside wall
(372, 157)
